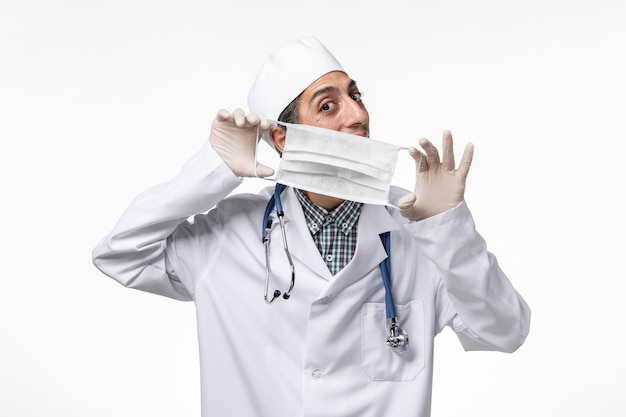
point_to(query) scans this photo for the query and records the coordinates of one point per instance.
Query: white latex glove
(234, 136)
(438, 185)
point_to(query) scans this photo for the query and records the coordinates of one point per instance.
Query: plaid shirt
(334, 231)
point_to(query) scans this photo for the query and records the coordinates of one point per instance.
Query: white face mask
(337, 164)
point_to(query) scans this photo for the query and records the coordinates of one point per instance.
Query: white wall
(99, 100)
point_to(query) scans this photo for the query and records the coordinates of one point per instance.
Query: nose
(356, 116)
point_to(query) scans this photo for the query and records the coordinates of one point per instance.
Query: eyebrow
(329, 89)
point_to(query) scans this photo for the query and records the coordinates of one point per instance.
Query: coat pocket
(378, 360)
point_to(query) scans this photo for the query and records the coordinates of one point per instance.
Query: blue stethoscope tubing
(398, 339)
(385, 269)
(274, 201)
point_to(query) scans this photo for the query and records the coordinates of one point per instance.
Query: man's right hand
(233, 136)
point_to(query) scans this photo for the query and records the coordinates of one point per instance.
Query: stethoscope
(398, 339)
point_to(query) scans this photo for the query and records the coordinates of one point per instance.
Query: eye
(357, 96)
(327, 106)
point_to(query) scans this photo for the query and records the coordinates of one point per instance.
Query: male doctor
(323, 350)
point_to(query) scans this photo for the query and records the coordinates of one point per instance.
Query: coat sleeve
(133, 253)
(489, 312)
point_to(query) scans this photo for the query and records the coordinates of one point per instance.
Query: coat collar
(369, 253)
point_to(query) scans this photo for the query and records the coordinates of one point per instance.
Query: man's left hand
(439, 186)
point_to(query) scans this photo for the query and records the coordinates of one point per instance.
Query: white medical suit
(322, 353)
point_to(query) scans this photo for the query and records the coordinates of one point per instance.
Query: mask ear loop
(256, 151)
(259, 135)
(419, 164)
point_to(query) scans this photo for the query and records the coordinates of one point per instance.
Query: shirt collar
(345, 215)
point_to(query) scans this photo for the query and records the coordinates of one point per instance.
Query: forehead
(333, 81)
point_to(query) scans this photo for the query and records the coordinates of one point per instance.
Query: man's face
(334, 102)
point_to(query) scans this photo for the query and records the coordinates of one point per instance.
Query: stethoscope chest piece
(398, 339)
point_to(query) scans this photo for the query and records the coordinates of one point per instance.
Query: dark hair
(290, 113)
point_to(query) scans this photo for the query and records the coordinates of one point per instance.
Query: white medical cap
(288, 72)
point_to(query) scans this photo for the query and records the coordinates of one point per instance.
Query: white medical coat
(323, 351)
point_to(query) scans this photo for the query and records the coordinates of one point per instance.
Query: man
(322, 351)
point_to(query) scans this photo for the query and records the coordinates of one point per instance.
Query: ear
(278, 135)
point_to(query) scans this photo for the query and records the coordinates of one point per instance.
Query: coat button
(317, 374)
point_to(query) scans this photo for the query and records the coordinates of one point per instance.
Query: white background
(99, 100)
